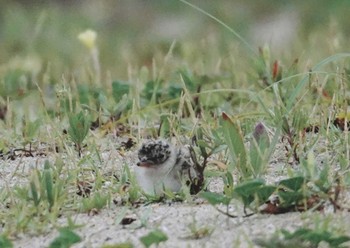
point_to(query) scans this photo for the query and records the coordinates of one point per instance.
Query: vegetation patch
(258, 128)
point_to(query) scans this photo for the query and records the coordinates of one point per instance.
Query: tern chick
(161, 166)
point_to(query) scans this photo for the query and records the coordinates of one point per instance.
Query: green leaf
(248, 187)
(215, 198)
(119, 89)
(97, 201)
(228, 181)
(154, 237)
(174, 91)
(12, 85)
(164, 130)
(294, 183)
(259, 146)
(315, 237)
(336, 242)
(152, 91)
(322, 182)
(65, 239)
(289, 198)
(34, 192)
(79, 126)
(264, 192)
(5, 242)
(247, 190)
(30, 129)
(303, 237)
(100, 98)
(48, 184)
(234, 141)
(299, 120)
(84, 94)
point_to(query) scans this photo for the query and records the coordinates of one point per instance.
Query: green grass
(65, 99)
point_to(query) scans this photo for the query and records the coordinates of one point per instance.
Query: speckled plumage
(161, 166)
(154, 153)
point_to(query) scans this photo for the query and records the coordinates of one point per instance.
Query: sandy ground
(174, 219)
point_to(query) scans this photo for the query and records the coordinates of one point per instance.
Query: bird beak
(145, 164)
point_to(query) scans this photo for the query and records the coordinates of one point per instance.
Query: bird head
(154, 153)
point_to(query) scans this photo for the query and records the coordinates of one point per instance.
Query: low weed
(78, 129)
(308, 188)
(153, 237)
(94, 203)
(5, 242)
(66, 238)
(322, 233)
(198, 232)
(39, 202)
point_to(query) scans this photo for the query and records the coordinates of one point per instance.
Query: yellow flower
(88, 38)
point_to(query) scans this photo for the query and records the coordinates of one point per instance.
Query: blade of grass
(235, 145)
(304, 80)
(231, 30)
